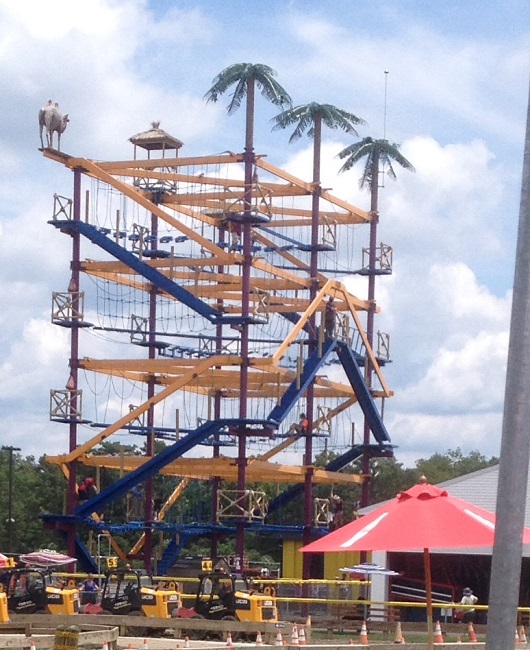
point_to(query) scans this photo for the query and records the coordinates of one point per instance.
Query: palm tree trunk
(310, 395)
(245, 306)
(515, 446)
(372, 261)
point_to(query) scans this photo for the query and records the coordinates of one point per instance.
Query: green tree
(442, 467)
(388, 477)
(38, 487)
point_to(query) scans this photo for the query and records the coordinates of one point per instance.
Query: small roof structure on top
(155, 139)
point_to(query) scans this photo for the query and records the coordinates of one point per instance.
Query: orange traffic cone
(294, 635)
(363, 638)
(229, 643)
(397, 635)
(438, 638)
(301, 636)
(186, 641)
(522, 634)
(279, 639)
(259, 640)
(471, 636)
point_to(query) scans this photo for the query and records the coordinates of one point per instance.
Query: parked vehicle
(129, 592)
(31, 590)
(228, 597)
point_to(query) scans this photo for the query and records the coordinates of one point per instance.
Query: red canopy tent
(421, 518)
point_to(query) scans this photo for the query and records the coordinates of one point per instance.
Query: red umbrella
(422, 518)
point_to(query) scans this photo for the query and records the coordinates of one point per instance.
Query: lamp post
(10, 520)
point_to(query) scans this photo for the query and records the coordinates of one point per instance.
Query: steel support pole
(515, 446)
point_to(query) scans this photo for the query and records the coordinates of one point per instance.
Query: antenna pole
(384, 113)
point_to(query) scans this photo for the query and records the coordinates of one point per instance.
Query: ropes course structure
(200, 285)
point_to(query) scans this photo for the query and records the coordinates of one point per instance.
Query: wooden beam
(94, 169)
(136, 412)
(226, 469)
(152, 163)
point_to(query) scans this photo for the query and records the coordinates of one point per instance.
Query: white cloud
(447, 81)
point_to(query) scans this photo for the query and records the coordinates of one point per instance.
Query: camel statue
(52, 120)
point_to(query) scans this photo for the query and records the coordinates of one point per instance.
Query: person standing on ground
(89, 589)
(468, 598)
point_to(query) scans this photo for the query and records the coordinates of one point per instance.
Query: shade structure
(46, 558)
(422, 518)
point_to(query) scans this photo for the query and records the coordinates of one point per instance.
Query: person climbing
(337, 511)
(300, 427)
(157, 506)
(234, 229)
(330, 316)
(87, 489)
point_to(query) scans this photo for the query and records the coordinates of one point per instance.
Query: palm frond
(382, 150)
(336, 118)
(297, 115)
(225, 79)
(306, 115)
(288, 117)
(272, 90)
(239, 74)
(366, 178)
(390, 170)
(237, 96)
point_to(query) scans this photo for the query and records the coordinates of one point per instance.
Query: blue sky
(456, 101)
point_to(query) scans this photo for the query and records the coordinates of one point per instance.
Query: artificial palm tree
(246, 77)
(310, 118)
(379, 156)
